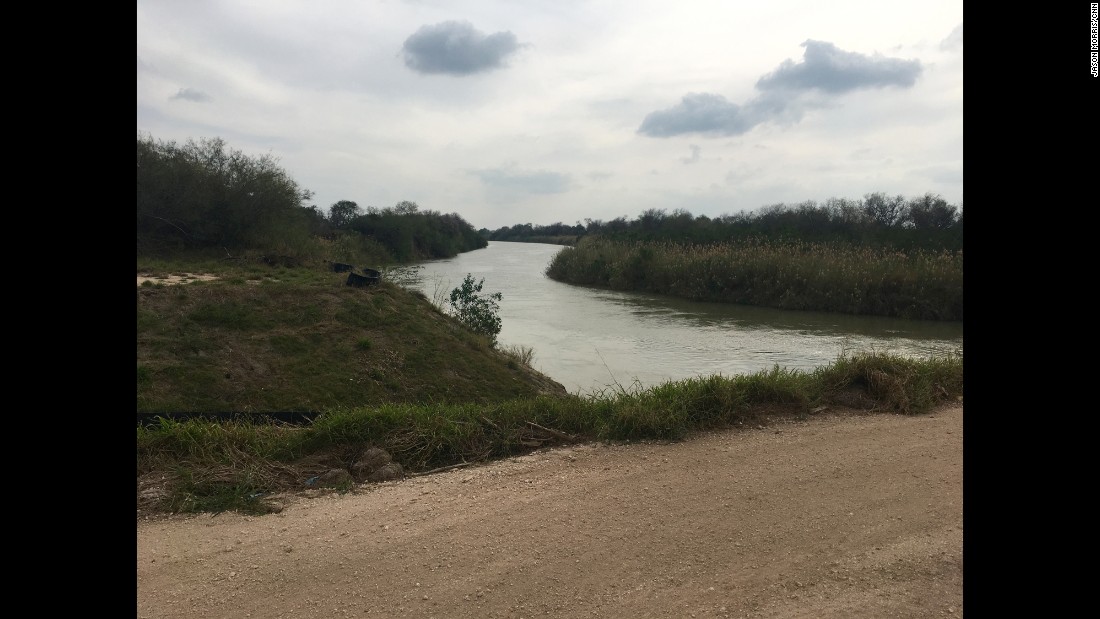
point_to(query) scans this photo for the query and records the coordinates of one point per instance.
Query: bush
(480, 313)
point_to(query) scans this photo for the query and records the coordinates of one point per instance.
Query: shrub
(480, 313)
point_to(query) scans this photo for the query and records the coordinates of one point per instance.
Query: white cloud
(827, 68)
(457, 48)
(954, 41)
(824, 69)
(190, 94)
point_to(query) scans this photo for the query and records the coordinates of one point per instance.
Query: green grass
(262, 338)
(210, 466)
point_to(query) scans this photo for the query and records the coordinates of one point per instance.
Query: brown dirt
(846, 515)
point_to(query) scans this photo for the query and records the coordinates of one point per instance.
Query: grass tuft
(522, 355)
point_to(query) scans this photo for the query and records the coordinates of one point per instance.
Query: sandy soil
(838, 516)
(179, 278)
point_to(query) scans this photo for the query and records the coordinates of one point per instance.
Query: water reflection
(592, 339)
(705, 315)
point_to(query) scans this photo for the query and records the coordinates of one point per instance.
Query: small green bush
(480, 313)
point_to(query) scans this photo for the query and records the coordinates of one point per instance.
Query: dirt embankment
(850, 515)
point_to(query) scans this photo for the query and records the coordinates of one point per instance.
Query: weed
(519, 354)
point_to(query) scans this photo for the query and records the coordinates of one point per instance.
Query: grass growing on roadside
(894, 383)
(215, 466)
(199, 465)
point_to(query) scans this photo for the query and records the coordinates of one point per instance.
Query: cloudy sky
(544, 111)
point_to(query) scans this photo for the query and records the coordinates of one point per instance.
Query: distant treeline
(878, 220)
(554, 234)
(202, 195)
(410, 234)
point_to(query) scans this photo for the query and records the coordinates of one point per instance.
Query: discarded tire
(361, 281)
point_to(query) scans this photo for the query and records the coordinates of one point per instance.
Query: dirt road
(840, 516)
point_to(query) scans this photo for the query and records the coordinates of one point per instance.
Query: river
(592, 340)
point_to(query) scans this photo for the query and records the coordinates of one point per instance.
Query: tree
(406, 207)
(884, 210)
(480, 313)
(930, 212)
(342, 212)
(205, 194)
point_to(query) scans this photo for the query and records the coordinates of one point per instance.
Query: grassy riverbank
(385, 368)
(789, 275)
(256, 337)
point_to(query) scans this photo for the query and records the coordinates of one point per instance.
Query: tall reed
(792, 275)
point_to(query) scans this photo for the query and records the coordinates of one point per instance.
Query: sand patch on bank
(179, 278)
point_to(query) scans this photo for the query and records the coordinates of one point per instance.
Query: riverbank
(202, 465)
(252, 337)
(788, 275)
(843, 514)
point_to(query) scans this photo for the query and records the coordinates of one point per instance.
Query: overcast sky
(544, 111)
